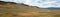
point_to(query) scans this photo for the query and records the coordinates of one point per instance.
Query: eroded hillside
(14, 8)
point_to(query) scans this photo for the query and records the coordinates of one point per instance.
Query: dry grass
(19, 10)
(25, 14)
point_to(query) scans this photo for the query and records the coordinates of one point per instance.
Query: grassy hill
(11, 9)
(7, 9)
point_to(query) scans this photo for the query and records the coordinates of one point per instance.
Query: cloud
(39, 3)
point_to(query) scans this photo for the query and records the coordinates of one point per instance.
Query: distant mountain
(54, 8)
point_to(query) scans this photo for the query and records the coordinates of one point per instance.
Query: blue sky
(39, 3)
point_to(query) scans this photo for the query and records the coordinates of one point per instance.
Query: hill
(13, 8)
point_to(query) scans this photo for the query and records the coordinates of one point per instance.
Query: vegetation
(10, 9)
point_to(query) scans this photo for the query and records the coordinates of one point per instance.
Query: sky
(38, 3)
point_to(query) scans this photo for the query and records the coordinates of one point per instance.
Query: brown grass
(25, 14)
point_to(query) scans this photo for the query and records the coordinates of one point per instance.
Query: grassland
(18, 10)
(22, 10)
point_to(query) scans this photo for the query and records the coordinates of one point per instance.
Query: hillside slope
(13, 8)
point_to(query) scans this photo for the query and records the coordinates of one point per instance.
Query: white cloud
(38, 3)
